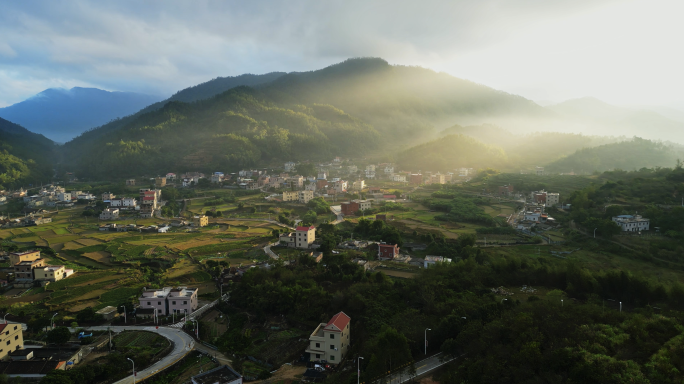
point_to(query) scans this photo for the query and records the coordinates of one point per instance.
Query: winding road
(182, 345)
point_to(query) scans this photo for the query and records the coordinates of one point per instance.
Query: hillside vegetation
(236, 129)
(628, 155)
(450, 152)
(345, 109)
(25, 157)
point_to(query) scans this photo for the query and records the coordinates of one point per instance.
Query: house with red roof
(305, 236)
(330, 341)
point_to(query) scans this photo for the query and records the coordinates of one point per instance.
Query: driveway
(182, 345)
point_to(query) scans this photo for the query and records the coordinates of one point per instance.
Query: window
(332, 347)
(159, 310)
(7, 333)
(332, 336)
(318, 355)
(148, 303)
(158, 302)
(332, 358)
(185, 302)
(15, 327)
(16, 337)
(173, 302)
(8, 342)
(318, 345)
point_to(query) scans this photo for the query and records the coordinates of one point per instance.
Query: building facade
(330, 341)
(305, 236)
(630, 223)
(11, 339)
(387, 251)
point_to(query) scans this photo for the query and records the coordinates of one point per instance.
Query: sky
(625, 52)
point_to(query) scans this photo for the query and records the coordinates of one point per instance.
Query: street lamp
(595, 232)
(358, 369)
(621, 307)
(561, 302)
(3, 318)
(129, 359)
(426, 329)
(52, 323)
(125, 319)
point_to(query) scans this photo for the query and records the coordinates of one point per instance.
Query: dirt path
(285, 374)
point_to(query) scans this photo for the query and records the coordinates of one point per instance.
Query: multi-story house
(115, 203)
(398, 177)
(129, 202)
(11, 339)
(159, 182)
(290, 196)
(552, 199)
(305, 196)
(340, 186)
(200, 221)
(23, 271)
(330, 341)
(52, 273)
(168, 300)
(290, 166)
(416, 178)
(296, 181)
(305, 236)
(389, 169)
(17, 257)
(130, 182)
(109, 214)
(322, 176)
(352, 169)
(108, 196)
(358, 185)
(64, 196)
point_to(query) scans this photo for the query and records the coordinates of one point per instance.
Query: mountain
(354, 108)
(62, 114)
(449, 152)
(626, 155)
(592, 115)
(202, 91)
(25, 157)
(532, 149)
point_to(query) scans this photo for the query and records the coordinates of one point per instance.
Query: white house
(389, 169)
(64, 196)
(129, 202)
(398, 177)
(630, 223)
(533, 216)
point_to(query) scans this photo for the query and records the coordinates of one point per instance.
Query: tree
(59, 335)
(240, 205)
(306, 169)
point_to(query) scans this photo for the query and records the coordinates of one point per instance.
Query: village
(206, 249)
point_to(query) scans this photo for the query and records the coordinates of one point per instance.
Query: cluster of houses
(49, 196)
(29, 269)
(149, 201)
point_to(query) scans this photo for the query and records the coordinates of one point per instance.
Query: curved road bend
(182, 345)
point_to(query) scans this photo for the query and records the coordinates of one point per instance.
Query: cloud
(164, 46)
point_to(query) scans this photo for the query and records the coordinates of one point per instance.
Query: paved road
(182, 345)
(422, 367)
(270, 253)
(337, 210)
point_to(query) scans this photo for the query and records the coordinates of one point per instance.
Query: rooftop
(222, 374)
(338, 321)
(29, 367)
(305, 228)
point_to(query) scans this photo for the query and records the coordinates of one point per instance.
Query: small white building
(64, 196)
(630, 223)
(432, 260)
(552, 199)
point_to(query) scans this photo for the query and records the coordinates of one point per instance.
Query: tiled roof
(339, 321)
(305, 228)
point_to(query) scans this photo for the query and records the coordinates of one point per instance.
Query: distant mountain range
(61, 114)
(359, 107)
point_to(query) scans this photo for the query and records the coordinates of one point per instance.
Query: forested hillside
(236, 129)
(451, 152)
(346, 109)
(627, 155)
(25, 157)
(533, 149)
